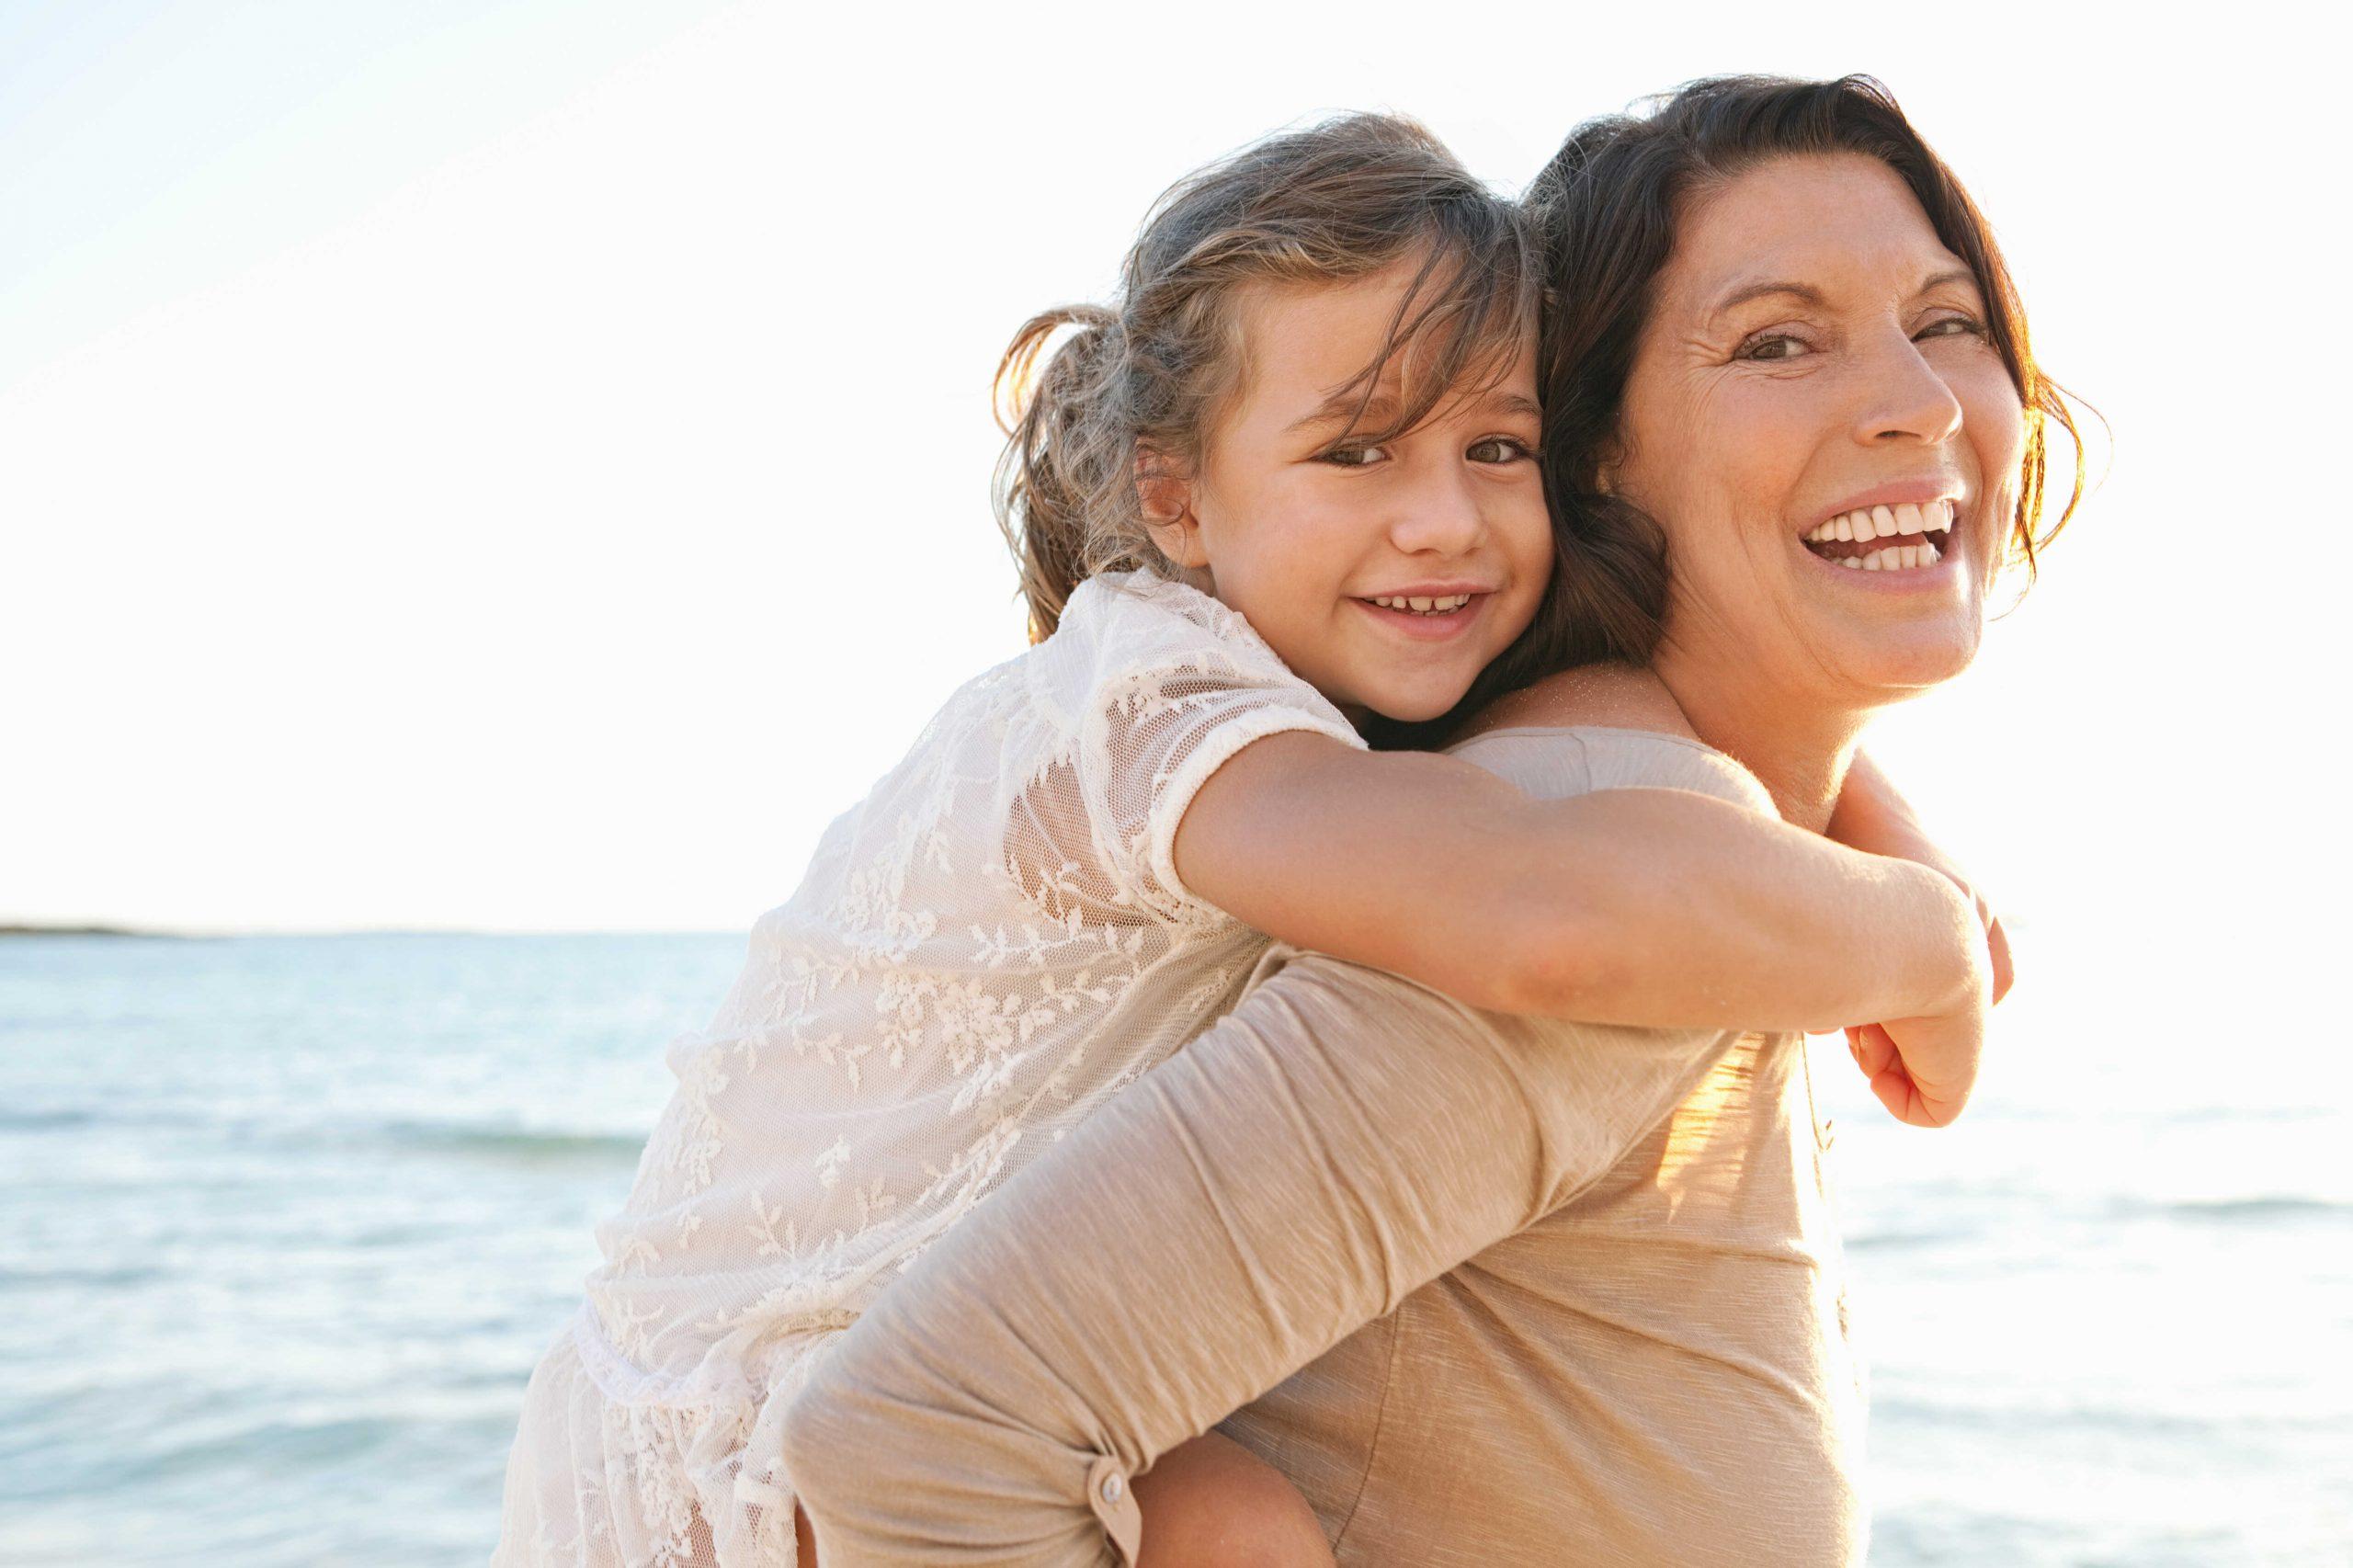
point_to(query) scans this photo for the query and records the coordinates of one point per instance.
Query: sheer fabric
(1492, 1291)
(984, 949)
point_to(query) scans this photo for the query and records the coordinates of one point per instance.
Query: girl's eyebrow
(1511, 404)
(1347, 406)
(1807, 294)
(1342, 407)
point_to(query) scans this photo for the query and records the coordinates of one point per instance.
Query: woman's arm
(1341, 1138)
(1655, 907)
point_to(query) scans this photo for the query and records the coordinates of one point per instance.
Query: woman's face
(1816, 387)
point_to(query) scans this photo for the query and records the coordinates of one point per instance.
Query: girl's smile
(1430, 615)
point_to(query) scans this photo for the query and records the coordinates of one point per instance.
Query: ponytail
(1063, 450)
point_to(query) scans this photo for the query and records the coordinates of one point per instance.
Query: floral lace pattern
(984, 949)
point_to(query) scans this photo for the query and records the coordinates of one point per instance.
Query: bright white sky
(524, 465)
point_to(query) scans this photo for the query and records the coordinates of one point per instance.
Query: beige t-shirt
(1656, 1371)
(1489, 1290)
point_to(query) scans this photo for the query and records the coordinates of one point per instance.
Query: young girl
(1286, 492)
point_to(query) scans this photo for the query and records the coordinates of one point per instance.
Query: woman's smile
(1899, 538)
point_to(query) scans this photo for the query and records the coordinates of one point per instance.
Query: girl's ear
(1166, 499)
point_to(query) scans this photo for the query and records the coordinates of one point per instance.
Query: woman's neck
(1798, 750)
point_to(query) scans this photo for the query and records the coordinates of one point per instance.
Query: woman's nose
(1905, 399)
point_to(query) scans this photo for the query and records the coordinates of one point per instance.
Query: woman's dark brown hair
(1604, 211)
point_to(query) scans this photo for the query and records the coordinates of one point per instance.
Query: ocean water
(284, 1223)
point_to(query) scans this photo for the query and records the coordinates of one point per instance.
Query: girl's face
(1304, 529)
(1814, 357)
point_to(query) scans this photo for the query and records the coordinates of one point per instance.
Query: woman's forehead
(1817, 222)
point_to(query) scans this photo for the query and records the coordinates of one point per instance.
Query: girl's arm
(1874, 817)
(1660, 908)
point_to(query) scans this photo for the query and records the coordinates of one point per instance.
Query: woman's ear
(1165, 497)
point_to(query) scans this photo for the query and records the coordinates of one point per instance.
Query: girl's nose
(1441, 515)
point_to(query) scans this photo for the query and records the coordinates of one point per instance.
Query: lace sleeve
(1181, 685)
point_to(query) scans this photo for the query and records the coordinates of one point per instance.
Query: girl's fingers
(1997, 948)
(1875, 1053)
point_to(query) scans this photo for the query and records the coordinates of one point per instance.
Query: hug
(1306, 1062)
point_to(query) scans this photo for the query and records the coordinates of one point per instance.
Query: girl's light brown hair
(1141, 381)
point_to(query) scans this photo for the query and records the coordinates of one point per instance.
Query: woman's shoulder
(1602, 727)
(1608, 696)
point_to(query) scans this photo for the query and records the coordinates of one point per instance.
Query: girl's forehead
(1305, 347)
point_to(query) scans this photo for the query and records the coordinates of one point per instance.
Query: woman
(1550, 1292)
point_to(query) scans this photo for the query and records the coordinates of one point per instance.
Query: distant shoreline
(157, 935)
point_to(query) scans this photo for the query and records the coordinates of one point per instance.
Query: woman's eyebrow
(1807, 294)
(1961, 275)
(1804, 293)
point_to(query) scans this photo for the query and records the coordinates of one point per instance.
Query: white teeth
(1425, 606)
(1895, 558)
(1419, 604)
(1868, 523)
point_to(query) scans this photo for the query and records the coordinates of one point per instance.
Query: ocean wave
(2279, 1207)
(272, 1444)
(1896, 1241)
(2271, 1207)
(78, 1278)
(518, 1145)
(42, 1121)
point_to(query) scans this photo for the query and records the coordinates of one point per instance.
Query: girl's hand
(1924, 1068)
(1874, 817)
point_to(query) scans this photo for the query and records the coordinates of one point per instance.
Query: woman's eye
(1953, 326)
(1498, 450)
(1773, 345)
(1354, 457)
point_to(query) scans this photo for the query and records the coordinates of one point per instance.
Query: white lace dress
(984, 949)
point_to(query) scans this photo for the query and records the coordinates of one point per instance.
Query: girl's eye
(1354, 457)
(1772, 345)
(1498, 450)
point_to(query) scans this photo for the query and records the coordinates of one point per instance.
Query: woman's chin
(1893, 669)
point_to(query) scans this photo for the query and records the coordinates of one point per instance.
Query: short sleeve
(1180, 684)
